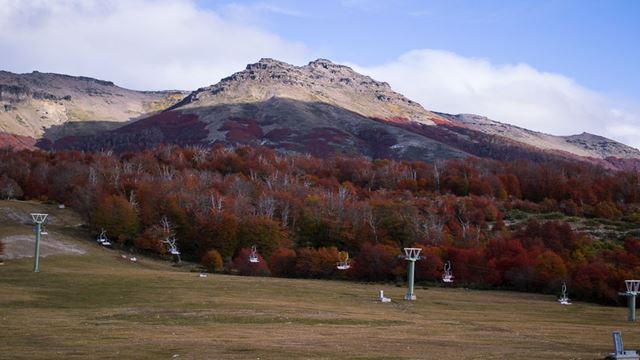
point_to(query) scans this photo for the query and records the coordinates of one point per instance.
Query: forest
(502, 225)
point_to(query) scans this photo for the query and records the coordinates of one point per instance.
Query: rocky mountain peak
(319, 81)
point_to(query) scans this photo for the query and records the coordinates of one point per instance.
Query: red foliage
(226, 199)
(316, 263)
(376, 262)
(283, 262)
(244, 267)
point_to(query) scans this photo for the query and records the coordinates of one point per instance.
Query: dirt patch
(22, 246)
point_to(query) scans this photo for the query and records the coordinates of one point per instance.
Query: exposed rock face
(320, 81)
(39, 104)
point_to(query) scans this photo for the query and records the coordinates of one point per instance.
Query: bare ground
(21, 246)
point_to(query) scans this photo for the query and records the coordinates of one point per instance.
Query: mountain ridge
(321, 108)
(32, 103)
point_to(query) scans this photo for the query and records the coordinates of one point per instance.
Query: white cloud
(516, 94)
(141, 44)
(175, 44)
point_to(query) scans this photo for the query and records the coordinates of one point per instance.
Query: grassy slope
(101, 306)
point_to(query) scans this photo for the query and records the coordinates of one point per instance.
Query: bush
(9, 188)
(116, 215)
(151, 239)
(212, 260)
(283, 262)
(376, 262)
(244, 267)
(430, 267)
(316, 263)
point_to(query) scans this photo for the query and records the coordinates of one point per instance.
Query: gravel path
(22, 246)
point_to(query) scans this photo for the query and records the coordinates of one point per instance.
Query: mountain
(51, 106)
(585, 144)
(320, 108)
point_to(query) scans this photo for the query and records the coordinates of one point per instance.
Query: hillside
(585, 145)
(517, 225)
(44, 105)
(100, 305)
(324, 109)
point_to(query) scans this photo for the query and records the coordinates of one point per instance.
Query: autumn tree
(9, 188)
(116, 215)
(212, 260)
(282, 262)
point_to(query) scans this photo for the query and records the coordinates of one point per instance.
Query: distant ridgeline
(522, 225)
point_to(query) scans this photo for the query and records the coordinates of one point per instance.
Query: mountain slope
(584, 144)
(320, 108)
(42, 105)
(320, 81)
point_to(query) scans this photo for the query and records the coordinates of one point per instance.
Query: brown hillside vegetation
(516, 225)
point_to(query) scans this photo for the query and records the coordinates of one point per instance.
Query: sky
(557, 66)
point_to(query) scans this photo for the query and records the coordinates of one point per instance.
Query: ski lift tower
(38, 220)
(411, 255)
(633, 286)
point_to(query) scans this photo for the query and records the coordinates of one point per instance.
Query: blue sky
(596, 43)
(561, 67)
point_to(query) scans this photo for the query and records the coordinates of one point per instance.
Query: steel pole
(410, 296)
(631, 301)
(36, 256)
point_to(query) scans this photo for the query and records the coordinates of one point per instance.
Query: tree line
(300, 211)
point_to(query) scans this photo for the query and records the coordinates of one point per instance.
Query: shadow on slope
(286, 125)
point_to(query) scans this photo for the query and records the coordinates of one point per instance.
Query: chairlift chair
(447, 275)
(253, 257)
(43, 230)
(564, 299)
(383, 298)
(173, 248)
(103, 239)
(343, 264)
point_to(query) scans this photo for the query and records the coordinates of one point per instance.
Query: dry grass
(99, 305)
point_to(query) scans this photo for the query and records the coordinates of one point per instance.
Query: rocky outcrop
(36, 104)
(319, 81)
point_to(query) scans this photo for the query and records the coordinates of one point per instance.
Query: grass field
(99, 305)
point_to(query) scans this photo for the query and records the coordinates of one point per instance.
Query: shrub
(283, 262)
(376, 262)
(151, 239)
(316, 263)
(116, 215)
(244, 267)
(212, 260)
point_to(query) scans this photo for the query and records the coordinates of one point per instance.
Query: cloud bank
(140, 44)
(515, 94)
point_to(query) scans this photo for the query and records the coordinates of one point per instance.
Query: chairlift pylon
(447, 275)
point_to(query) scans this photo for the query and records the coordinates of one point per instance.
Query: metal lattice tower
(38, 220)
(411, 255)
